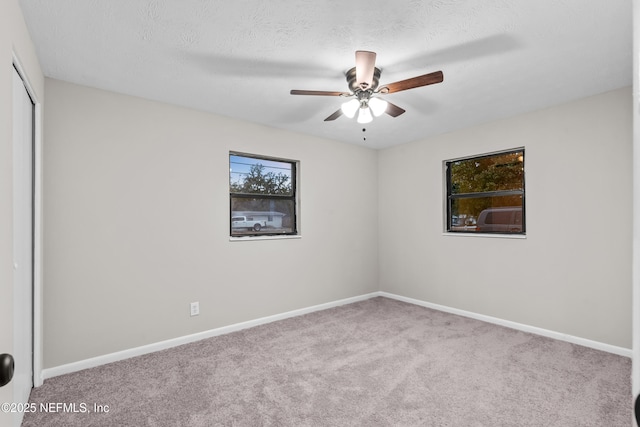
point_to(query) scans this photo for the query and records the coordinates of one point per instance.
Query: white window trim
(266, 237)
(489, 235)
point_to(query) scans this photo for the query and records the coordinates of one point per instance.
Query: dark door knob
(6, 368)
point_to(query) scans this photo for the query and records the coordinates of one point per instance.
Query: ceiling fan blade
(318, 92)
(393, 110)
(424, 80)
(365, 66)
(334, 115)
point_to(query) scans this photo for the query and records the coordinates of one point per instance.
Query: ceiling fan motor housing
(355, 87)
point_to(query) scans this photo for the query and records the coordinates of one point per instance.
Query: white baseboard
(621, 351)
(162, 345)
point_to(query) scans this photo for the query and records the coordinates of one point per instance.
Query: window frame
(294, 198)
(449, 198)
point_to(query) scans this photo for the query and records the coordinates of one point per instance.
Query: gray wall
(572, 273)
(136, 222)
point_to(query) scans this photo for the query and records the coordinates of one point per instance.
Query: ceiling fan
(363, 80)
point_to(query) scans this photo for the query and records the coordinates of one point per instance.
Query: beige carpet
(378, 362)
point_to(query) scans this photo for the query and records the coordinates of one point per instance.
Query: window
(262, 194)
(485, 194)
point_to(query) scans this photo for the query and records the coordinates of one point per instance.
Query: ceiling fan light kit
(363, 80)
(364, 116)
(349, 108)
(378, 106)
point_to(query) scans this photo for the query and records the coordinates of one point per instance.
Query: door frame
(37, 223)
(635, 250)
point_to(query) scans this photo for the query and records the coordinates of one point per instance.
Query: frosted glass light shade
(349, 108)
(378, 106)
(365, 115)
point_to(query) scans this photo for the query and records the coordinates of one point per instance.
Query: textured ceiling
(240, 58)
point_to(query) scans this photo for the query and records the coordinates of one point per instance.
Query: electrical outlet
(195, 308)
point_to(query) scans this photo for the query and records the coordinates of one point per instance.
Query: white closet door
(22, 242)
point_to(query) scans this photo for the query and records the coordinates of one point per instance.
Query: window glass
(262, 195)
(485, 194)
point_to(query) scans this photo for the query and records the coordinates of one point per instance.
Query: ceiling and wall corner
(240, 59)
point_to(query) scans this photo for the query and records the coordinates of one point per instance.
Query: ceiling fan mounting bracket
(363, 95)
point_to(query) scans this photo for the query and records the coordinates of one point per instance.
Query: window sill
(272, 237)
(489, 235)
